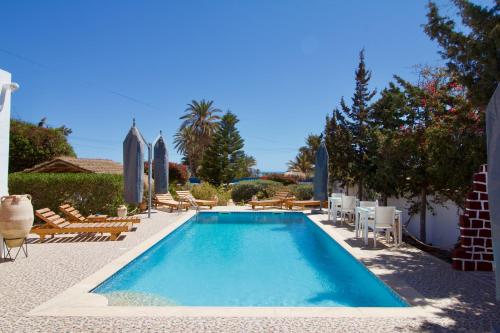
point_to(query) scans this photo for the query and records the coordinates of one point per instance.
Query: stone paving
(465, 302)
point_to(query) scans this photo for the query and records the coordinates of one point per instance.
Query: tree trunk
(384, 200)
(423, 214)
(360, 189)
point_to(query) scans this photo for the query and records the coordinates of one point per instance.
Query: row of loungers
(284, 199)
(76, 223)
(186, 200)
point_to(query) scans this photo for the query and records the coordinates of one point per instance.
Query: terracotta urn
(16, 218)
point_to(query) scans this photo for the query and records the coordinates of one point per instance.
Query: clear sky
(280, 65)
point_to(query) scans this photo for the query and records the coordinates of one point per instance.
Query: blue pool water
(250, 259)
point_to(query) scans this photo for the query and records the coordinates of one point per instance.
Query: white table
(363, 213)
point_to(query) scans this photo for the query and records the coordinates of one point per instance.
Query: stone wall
(475, 251)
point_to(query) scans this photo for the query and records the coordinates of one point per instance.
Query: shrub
(302, 191)
(285, 180)
(207, 191)
(88, 192)
(244, 191)
(31, 144)
(177, 173)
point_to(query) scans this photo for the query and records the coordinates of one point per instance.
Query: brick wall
(475, 252)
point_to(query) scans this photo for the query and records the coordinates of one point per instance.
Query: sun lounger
(303, 203)
(187, 196)
(167, 200)
(74, 215)
(55, 224)
(277, 201)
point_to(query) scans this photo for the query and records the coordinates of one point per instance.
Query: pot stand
(8, 250)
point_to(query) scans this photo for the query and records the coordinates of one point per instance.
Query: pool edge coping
(78, 301)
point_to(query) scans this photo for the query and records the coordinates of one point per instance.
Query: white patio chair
(358, 221)
(383, 221)
(348, 207)
(334, 205)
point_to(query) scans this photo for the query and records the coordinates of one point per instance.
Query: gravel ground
(465, 299)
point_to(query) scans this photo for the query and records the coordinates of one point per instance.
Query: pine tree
(357, 123)
(224, 159)
(472, 54)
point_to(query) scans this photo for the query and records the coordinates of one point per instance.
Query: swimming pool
(248, 259)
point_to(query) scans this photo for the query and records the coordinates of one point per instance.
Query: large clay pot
(16, 218)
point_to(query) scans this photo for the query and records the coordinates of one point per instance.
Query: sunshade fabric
(321, 174)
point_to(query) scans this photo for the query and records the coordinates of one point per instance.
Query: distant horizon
(280, 68)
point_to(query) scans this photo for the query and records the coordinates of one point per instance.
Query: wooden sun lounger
(167, 200)
(187, 196)
(74, 215)
(279, 199)
(303, 203)
(55, 224)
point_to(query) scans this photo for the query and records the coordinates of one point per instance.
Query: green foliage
(472, 53)
(244, 191)
(31, 144)
(224, 159)
(204, 191)
(304, 161)
(302, 191)
(285, 180)
(88, 192)
(200, 123)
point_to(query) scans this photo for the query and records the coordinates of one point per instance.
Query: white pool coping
(78, 301)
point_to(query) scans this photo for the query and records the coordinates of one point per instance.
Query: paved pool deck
(461, 301)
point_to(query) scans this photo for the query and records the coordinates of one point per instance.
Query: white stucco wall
(442, 227)
(5, 78)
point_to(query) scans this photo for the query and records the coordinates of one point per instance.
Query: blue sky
(281, 65)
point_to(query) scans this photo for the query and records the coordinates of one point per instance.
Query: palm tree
(301, 164)
(195, 134)
(185, 144)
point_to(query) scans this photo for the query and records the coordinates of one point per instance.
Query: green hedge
(302, 191)
(88, 192)
(245, 190)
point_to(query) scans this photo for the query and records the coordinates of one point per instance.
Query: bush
(207, 191)
(302, 191)
(244, 191)
(285, 180)
(89, 192)
(177, 173)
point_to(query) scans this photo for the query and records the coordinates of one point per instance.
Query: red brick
(476, 224)
(485, 215)
(486, 233)
(473, 196)
(480, 177)
(486, 206)
(478, 241)
(487, 225)
(464, 221)
(461, 253)
(483, 196)
(466, 241)
(471, 213)
(487, 256)
(479, 187)
(469, 232)
(488, 243)
(478, 249)
(457, 264)
(484, 266)
(469, 266)
(476, 256)
(473, 205)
